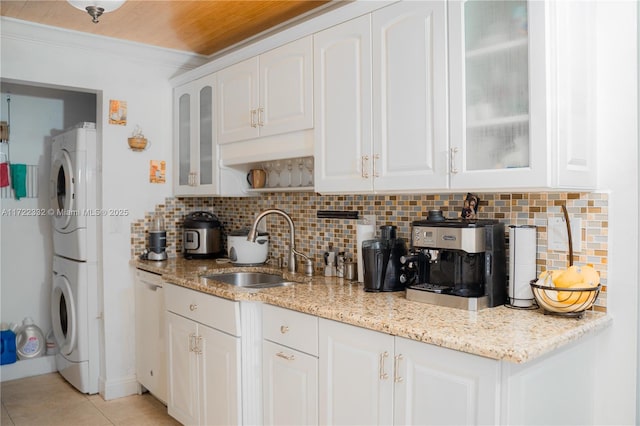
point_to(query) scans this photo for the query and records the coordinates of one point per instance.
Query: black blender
(157, 239)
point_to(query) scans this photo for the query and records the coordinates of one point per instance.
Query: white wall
(122, 71)
(617, 71)
(36, 115)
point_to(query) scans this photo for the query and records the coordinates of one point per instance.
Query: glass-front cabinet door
(183, 137)
(494, 138)
(195, 147)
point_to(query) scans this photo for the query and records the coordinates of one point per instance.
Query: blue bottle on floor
(7, 345)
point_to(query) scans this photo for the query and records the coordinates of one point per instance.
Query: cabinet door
(182, 378)
(439, 386)
(195, 138)
(150, 345)
(286, 88)
(410, 137)
(290, 386)
(182, 138)
(356, 383)
(219, 374)
(498, 94)
(206, 158)
(238, 102)
(342, 96)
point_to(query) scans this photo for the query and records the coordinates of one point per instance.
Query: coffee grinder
(157, 239)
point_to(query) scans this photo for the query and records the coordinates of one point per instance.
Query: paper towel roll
(365, 230)
(522, 264)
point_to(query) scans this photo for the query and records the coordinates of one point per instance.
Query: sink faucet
(253, 233)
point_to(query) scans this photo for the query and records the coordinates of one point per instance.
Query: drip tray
(447, 300)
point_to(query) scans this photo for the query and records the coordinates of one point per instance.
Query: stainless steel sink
(250, 279)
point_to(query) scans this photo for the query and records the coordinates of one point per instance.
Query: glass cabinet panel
(496, 85)
(206, 135)
(184, 138)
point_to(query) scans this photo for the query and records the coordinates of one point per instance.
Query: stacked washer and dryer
(74, 298)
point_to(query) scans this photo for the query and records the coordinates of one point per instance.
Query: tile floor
(49, 400)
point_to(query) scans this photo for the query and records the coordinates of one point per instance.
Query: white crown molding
(30, 32)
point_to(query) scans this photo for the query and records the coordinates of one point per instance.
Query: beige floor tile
(81, 413)
(49, 400)
(5, 420)
(135, 410)
(42, 388)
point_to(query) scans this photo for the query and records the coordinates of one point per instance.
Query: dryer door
(63, 315)
(62, 191)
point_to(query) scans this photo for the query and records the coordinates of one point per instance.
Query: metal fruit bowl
(564, 301)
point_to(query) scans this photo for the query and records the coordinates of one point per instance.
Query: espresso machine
(456, 263)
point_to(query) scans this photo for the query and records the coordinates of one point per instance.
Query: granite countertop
(500, 333)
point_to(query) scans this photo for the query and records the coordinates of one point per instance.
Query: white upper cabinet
(521, 95)
(267, 94)
(238, 101)
(409, 96)
(342, 86)
(381, 101)
(195, 151)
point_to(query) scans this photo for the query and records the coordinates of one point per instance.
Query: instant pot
(245, 252)
(202, 236)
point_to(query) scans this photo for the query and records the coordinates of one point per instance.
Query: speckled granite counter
(500, 333)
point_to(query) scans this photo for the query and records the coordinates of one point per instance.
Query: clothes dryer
(73, 188)
(74, 316)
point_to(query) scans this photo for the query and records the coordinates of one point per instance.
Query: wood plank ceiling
(204, 26)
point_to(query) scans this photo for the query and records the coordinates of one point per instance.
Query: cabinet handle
(285, 356)
(365, 163)
(284, 329)
(375, 158)
(260, 117)
(253, 121)
(193, 307)
(383, 375)
(192, 342)
(454, 151)
(198, 349)
(193, 179)
(396, 369)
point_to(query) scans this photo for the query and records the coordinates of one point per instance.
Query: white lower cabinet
(290, 367)
(439, 386)
(356, 385)
(290, 386)
(298, 369)
(204, 374)
(367, 377)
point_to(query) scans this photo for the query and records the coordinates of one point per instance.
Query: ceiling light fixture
(95, 8)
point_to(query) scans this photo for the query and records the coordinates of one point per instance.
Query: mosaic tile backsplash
(313, 235)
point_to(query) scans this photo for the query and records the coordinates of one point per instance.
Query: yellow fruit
(575, 297)
(569, 278)
(590, 276)
(544, 277)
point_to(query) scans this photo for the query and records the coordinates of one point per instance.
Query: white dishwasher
(151, 358)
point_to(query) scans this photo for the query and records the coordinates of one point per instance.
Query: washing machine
(74, 316)
(73, 193)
